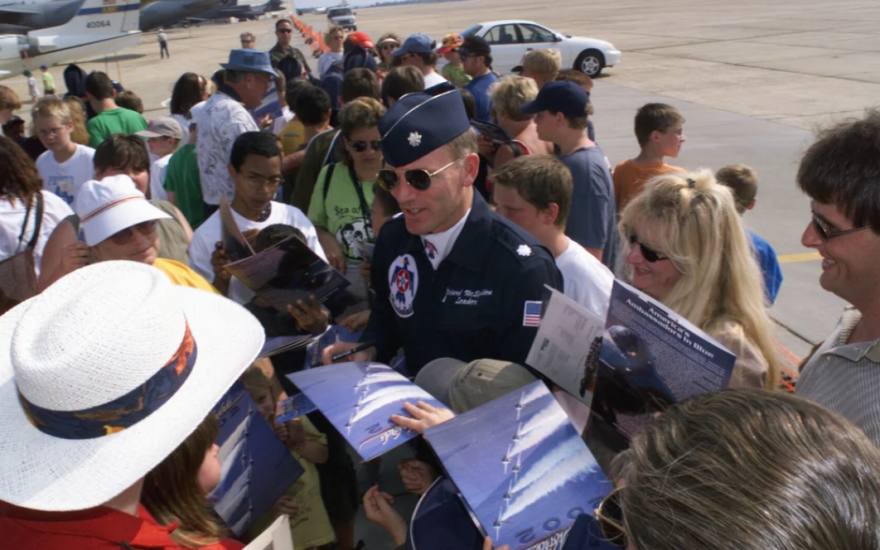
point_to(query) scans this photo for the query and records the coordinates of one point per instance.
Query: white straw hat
(108, 206)
(89, 357)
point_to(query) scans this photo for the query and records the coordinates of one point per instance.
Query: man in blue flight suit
(452, 278)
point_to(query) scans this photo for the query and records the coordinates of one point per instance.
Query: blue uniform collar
(473, 242)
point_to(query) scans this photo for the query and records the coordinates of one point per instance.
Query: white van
(342, 17)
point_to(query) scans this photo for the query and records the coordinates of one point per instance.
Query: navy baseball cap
(419, 123)
(475, 45)
(563, 97)
(417, 43)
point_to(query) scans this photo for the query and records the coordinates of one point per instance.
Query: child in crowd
(48, 81)
(131, 101)
(309, 522)
(659, 130)
(453, 71)
(33, 90)
(65, 165)
(163, 137)
(77, 108)
(176, 491)
(182, 180)
(535, 192)
(743, 181)
(279, 122)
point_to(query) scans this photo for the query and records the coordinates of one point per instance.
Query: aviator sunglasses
(648, 254)
(419, 178)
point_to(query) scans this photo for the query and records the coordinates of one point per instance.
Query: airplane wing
(24, 9)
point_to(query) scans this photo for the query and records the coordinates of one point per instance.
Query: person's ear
(655, 136)
(232, 172)
(551, 213)
(751, 204)
(471, 168)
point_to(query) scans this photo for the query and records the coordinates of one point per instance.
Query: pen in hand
(344, 354)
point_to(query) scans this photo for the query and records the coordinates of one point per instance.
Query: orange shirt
(629, 178)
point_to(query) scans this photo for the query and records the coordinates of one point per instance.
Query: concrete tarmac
(753, 80)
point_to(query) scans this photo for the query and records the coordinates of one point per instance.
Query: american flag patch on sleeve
(532, 314)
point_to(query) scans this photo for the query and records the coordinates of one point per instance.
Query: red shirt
(100, 528)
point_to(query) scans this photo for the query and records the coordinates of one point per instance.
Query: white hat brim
(119, 217)
(48, 473)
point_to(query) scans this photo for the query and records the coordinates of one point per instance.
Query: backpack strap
(328, 177)
(38, 221)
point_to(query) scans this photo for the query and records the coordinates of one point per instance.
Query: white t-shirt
(12, 217)
(327, 59)
(433, 79)
(210, 233)
(157, 179)
(66, 178)
(585, 279)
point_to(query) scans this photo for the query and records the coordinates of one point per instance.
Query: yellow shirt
(292, 136)
(182, 275)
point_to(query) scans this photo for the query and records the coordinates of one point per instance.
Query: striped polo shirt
(845, 378)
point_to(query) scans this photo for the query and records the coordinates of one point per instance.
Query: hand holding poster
(287, 272)
(256, 467)
(521, 467)
(359, 399)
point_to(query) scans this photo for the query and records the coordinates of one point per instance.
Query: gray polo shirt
(845, 378)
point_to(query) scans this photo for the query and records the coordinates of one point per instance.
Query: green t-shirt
(182, 179)
(341, 212)
(48, 82)
(114, 121)
(456, 75)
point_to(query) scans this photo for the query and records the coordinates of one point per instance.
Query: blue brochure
(359, 399)
(522, 468)
(257, 468)
(650, 357)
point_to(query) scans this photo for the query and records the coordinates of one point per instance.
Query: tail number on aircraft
(97, 24)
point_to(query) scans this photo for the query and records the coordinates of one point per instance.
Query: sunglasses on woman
(419, 178)
(648, 254)
(610, 516)
(123, 237)
(361, 146)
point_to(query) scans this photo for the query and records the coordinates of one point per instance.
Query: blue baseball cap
(564, 97)
(251, 61)
(419, 123)
(417, 43)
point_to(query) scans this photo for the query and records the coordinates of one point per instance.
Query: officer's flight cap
(418, 123)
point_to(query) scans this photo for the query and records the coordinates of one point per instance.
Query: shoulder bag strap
(38, 221)
(365, 208)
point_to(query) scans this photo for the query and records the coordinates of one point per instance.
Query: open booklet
(287, 272)
(256, 467)
(359, 399)
(643, 358)
(280, 344)
(276, 537)
(522, 468)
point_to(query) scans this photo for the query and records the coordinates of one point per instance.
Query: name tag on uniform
(465, 297)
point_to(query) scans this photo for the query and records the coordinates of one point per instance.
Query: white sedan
(510, 40)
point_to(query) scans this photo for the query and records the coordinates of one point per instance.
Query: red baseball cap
(361, 39)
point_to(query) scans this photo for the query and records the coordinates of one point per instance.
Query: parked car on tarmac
(342, 17)
(510, 40)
